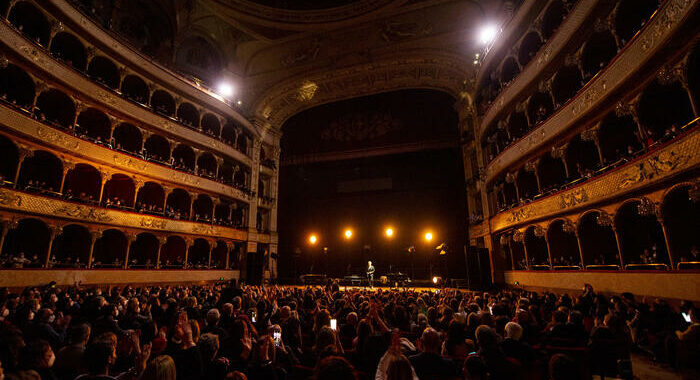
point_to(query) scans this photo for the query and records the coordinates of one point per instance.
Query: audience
(277, 332)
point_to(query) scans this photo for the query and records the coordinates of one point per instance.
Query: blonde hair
(160, 368)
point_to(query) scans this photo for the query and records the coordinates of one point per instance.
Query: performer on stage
(370, 273)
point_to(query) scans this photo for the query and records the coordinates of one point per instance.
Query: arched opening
(600, 49)
(663, 109)
(509, 194)
(71, 249)
(598, 241)
(553, 17)
(143, 252)
(228, 133)
(172, 254)
(502, 245)
(218, 255)
(563, 246)
(242, 144)
(31, 22)
(517, 249)
(693, 73)
(158, 149)
(94, 124)
(198, 255)
(262, 188)
(527, 185)
(188, 115)
(225, 174)
(16, 86)
(566, 84)
(110, 250)
(70, 50)
(238, 215)
(529, 47)
(211, 125)
(183, 158)
(517, 125)
(134, 88)
(178, 204)
(681, 214)
(552, 172)
(150, 199)
(234, 257)
(55, 107)
(239, 178)
(206, 165)
(203, 208)
(536, 247)
(581, 157)
(618, 138)
(104, 71)
(539, 107)
(127, 137)
(641, 237)
(28, 242)
(4, 7)
(9, 159)
(162, 102)
(509, 70)
(42, 171)
(631, 15)
(119, 192)
(222, 213)
(83, 184)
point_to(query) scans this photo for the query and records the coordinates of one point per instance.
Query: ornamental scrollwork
(7, 198)
(83, 212)
(653, 167)
(519, 214)
(129, 162)
(57, 138)
(573, 198)
(153, 223)
(204, 229)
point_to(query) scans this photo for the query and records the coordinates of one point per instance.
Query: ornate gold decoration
(568, 227)
(667, 16)
(646, 207)
(652, 167)
(33, 54)
(204, 229)
(604, 220)
(519, 214)
(8, 198)
(399, 31)
(623, 109)
(573, 198)
(518, 236)
(504, 239)
(539, 231)
(83, 212)
(129, 162)
(302, 55)
(57, 138)
(153, 223)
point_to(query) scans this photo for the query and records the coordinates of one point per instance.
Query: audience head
(562, 367)
(513, 331)
(430, 341)
(160, 368)
(334, 368)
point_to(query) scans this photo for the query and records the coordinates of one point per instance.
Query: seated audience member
(69, 359)
(562, 367)
(429, 363)
(512, 347)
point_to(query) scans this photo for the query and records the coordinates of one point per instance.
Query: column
(102, 189)
(161, 242)
(535, 166)
(667, 241)
(549, 250)
(273, 261)
(6, 226)
(67, 166)
(188, 242)
(166, 192)
(211, 249)
(517, 191)
(510, 249)
(215, 202)
(619, 247)
(138, 184)
(580, 248)
(131, 238)
(94, 235)
(527, 259)
(53, 232)
(193, 197)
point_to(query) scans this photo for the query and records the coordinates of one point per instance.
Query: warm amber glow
(313, 239)
(389, 232)
(435, 280)
(428, 236)
(348, 233)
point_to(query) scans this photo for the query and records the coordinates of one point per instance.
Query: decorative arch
(664, 106)
(71, 248)
(184, 158)
(517, 125)
(198, 255)
(509, 70)
(552, 172)
(150, 198)
(94, 124)
(206, 165)
(539, 107)
(103, 70)
(30, 238)
(527, 184)
(203, 207)
(552, 18)
(598, 242)
(162, 102)
(229, 133)
(517, 248)
(563, 246)
(143, 252)
(68, 48)
(56, 107)
(680, 210)
(640, 233)
(110, 249)
(536, 246)
(9, 159)
(566, 83)
(211, 125)
(158, 148)
(119, 191)
(128, 137)
(225, 174)
(529, 47)
(41, 171)
(581, 157)
(83, 183)
(172, 254)
(630, 16)
(16, 86)
(599, 50)
(218, 255)
(178, 204)
(135, 88)
(188, 115)
(31, 22)
(619, 137)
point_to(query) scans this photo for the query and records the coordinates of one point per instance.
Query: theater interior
(349, 189)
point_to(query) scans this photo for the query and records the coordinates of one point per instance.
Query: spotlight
(428, 236)
(389, 232)
(313, 239)
(348, 234)
(488, 34)
(435, 280)
(225, 89)
(239, 102)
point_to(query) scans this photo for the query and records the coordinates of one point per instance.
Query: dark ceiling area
(303, 5)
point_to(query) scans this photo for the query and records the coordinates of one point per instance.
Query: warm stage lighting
(312, 239)
(488, 34)
(225, 89)
(428, 236)
(435, 280)
(348, 234)
(389, 232)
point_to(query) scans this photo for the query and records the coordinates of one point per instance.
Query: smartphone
(277, 337)
(334, 324)
(686, 316)
(252, 317)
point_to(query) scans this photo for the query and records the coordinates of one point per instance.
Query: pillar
(228, 252)
(211, 245)
(131, 238)
(138, 185)
(161, 242)
(5, 225)
(190, 216)
(188, 243)
(166, 193)
(619, 247)
(517, 191)
(66, 169)
(549, 250)
(53, 232)
(580, 248)
(94, 235)
(102, 189)
(23, 153)
(667, 241)
(510, 249)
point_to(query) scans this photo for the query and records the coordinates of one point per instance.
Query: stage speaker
(478, 268)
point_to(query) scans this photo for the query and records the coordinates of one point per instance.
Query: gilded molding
(633, 57)
(17, 201)
(682, 155)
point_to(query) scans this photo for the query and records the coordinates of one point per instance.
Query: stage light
(225, 89)
(488, 34)
(389, 232)
(313, 239)
(348, 233)
(428, 236)
(435, 280)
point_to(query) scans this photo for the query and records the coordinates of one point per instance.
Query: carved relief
(652, 167)
(8, 198)
(153, 223)
(519, 214)
(573, 198)
(302, 55)
(398, 31)
(129, 162)
(57, 138)
(83, 212)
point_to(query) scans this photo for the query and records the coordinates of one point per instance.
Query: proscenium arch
(283, 100)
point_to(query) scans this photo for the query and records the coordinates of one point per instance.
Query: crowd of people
(222, 331)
